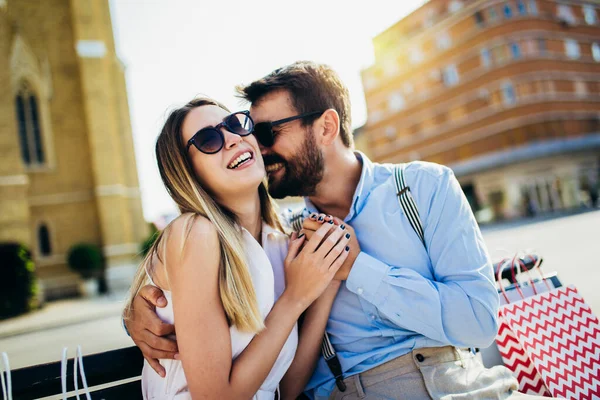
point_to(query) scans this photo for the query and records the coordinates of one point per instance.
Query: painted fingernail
(313, 216)
(343, 226)
(161, 302)
(331, 221)
(321, 218)
(162, 373)
(347, 236)
(330, 217)
(347, 248)
(300, 235)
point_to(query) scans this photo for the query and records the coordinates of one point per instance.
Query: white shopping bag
(77, 370)
(6, 382)
(78, 359)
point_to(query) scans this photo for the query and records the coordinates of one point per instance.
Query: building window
(44, 241)
(443, 41)
(492, 15)
(486, 58)
(376, 116)
(390, 132)
(455, 5)
(499, 54)
(396, 102)
(507, 11)
(479, 20)
(390, 68)
(521, 7)
(580, 88)
(415, 55)
(483, 94)
(572, 49)
(596, 51)
(28, 121)
(533, 10)
(370, 82)
(508, 94)
(590, 14)
(542, 46)
(565, 13)
(515, 50)
(450, 75)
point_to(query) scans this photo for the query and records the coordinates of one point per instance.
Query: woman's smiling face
(237, 167)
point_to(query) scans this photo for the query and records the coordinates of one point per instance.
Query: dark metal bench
(108, 368)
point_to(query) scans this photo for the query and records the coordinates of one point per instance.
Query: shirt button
(420, 357)
(359, 290)
(372, 316)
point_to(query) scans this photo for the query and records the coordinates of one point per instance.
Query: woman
(233, 293)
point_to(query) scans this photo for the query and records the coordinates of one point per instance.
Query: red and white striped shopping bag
(513, 355)
(560, 336)
(515, 359)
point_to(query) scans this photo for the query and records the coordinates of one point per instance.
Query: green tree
(18, 287)
(86, 259)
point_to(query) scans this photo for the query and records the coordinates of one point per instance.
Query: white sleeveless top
(266, 269)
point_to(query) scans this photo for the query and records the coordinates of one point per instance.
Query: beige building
(67, 163)
(505, 92)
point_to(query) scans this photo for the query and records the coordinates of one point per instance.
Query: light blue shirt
(400, 296)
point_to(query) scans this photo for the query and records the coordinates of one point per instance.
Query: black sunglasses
(264, 130)
(210, 140)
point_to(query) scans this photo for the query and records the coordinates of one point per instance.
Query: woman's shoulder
(192, 236)
(192, 225)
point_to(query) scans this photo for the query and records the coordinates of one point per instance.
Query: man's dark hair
(312, 87)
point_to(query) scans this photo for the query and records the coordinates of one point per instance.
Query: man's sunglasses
(264, 130)
(210, 140)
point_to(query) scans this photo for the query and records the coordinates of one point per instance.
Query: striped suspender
(408, 205)
(333, 362)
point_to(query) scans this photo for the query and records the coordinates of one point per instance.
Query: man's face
(294, 163)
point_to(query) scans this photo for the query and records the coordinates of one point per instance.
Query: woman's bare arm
(309, 345)
(201, 325)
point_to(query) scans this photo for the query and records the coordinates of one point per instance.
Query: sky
(177, 49)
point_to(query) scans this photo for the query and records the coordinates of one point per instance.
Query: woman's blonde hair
(235, 283)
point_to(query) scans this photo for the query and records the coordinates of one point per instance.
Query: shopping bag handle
(6, 384)
(78, 359)
(501, 268)
(538, 268)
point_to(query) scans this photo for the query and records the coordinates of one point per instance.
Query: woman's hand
(315, 221)
(310, 270)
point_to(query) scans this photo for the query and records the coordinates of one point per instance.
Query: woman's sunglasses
(210, 140)
(264, 130)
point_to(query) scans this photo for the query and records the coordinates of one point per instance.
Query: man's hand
(147, 330)
(313, 223)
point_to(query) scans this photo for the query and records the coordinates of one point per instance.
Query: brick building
(67, 164)
(507, 93)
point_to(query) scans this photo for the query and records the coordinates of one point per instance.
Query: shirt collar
(362, 191)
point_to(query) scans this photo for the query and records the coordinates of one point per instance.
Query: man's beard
(302, 173)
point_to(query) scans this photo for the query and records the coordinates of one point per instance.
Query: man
(409, 309)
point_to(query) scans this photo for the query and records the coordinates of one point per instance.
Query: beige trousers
(445, 373)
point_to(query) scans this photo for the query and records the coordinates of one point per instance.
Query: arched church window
(44, 240)
(29, 127)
